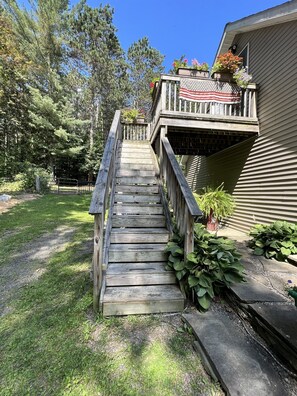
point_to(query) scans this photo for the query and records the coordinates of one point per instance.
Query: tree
(14, 101)
(144, 64)
(96, 52)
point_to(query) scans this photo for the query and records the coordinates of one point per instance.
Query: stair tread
(139, 231)
(142, 293)
(126, 247)
(134, 268)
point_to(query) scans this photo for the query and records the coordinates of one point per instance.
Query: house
(261, 171)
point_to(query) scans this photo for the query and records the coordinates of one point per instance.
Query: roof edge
(279, 14)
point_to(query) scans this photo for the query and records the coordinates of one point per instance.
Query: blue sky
(180, 27)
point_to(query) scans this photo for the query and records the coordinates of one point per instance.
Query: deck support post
(97, 258)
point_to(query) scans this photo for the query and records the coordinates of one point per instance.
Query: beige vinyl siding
(262, 174)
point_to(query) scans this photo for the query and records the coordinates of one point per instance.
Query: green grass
(53, 344)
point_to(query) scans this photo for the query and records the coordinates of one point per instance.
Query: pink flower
(195, 62)
(186, 60)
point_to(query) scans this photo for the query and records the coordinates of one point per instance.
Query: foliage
(274, 241)
(212, 266)
(241, 77)
(144, 64)
(28, 178)
(131, 115)
(66, 76)
(183, 62)
(227, 62)
(215, 202)
(199, 66)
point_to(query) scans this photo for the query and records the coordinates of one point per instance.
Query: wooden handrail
(102, 196)
(184, 205)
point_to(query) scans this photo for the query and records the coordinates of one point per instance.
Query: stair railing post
(97, 258)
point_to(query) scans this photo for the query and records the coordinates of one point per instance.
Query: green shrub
(28, 178)
(212, 266)
(274, 241)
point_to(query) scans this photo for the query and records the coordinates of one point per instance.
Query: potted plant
(130, 116)
(196, 69)
(292, 291)
(242, 77)
(216, 203)
(225, 66)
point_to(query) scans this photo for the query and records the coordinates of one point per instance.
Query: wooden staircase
(136, 280)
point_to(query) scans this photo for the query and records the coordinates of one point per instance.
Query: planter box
(184, 71)
(223, 76)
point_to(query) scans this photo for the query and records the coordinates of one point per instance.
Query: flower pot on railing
(225, 76)
(186, 71)
(293, 293)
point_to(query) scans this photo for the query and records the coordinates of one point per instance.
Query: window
(245, 56)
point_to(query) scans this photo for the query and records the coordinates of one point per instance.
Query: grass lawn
(53, 344)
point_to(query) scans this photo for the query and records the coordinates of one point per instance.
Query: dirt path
(5, 206)
(30, 263)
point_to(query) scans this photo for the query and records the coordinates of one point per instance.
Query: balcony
(204, 120)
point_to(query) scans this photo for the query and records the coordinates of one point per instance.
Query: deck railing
(184, 206)
(167, 99)
(102, 200)
(135, 131)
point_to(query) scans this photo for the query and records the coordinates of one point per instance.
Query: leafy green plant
(27, 178)
(213, 266)
(274, 241)
(216, 203)
(131, 115)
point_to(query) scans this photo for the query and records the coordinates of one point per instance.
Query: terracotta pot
(223, 76)
(184, 71)
(212, 223)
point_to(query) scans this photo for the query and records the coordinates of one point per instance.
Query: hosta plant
(274, 241)
(212, 266)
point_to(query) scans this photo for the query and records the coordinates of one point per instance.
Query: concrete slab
(293, 259)
(282, 320)
(241, 368)
(253, 291)
(278, 326)
(277, 266)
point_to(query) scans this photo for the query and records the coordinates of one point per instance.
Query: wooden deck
(194, 128)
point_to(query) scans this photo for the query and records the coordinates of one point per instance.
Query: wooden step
(136, 274)
(136, 166)
(141, 221)
(134, 188)
(136, 180)
(135, 143)
(149, 198)
(137, 209)
(128, 253)
(134, 160)
(142, 300)
(139, 235)
(135, 173)
(135, 153)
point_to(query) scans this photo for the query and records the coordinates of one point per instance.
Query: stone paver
(253, 291)
(241, 368)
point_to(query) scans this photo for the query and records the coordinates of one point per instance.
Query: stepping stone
(293, 259)
(278, 266)
(252, 291)
(278, 326)
(241, 368)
